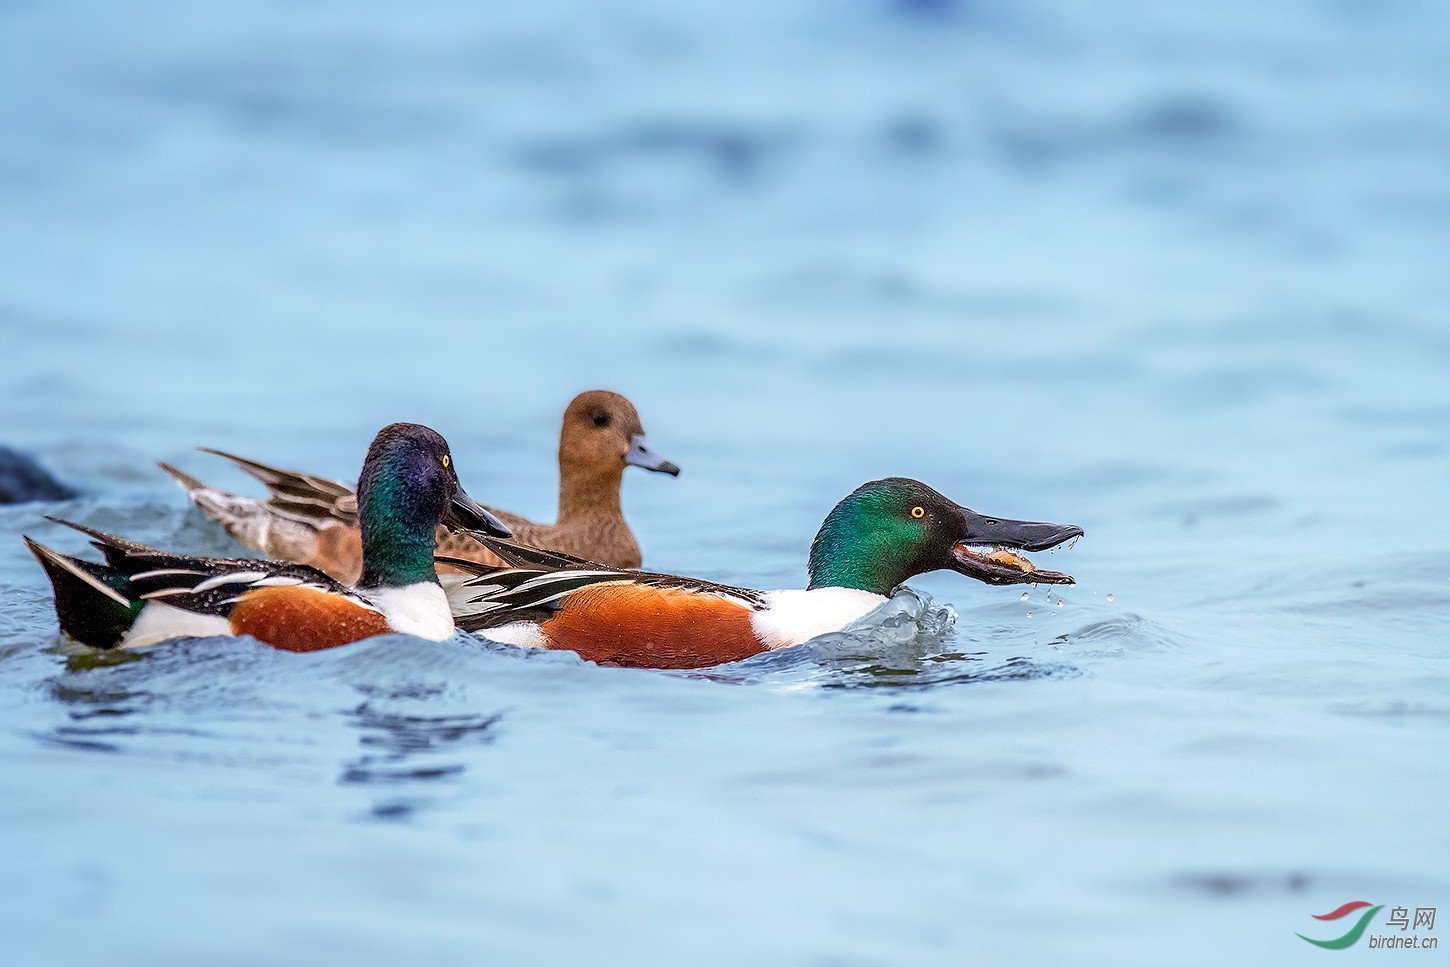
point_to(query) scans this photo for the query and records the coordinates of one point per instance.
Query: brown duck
(313, 521)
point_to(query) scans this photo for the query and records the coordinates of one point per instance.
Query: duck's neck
(397, 536)
(851, 572)
(853, 550)
(589, 492)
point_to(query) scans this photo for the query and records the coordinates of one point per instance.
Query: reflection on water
(397, 740)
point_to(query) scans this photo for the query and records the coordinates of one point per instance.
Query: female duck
(883, 533)
(141, 595)
(314, 521)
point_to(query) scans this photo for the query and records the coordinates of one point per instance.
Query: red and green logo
(1355, 932)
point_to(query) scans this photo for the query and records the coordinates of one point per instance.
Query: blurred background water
(1176, 273)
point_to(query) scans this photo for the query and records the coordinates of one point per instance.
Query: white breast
(417, 609)
(791, 617)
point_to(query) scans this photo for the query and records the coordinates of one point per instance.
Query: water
(1172, 273)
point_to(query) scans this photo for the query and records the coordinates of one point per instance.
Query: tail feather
(91, 600)
(118, 550)
(188, 483)
(279, 532)
(316, 493)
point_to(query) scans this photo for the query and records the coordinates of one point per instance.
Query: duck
(312, 520)
(23, 480)
(877, 537)
(141, 596)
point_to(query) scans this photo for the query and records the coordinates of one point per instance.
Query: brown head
(601, 436)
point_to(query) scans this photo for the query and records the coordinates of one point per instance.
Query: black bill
(469, 514)
(986, 552)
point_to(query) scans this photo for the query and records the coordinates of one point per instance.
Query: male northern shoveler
(314, 521)
(141, 595)
(873, 540)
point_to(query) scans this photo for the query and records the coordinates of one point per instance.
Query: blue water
(1172, 272)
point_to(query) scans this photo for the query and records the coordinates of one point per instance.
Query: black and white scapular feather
(538, 579)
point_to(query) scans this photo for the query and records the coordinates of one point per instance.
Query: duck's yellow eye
(445, 459)
(918, 512)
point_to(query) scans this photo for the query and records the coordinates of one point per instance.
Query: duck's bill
(642, 455)
(469, 514)
(988, 552)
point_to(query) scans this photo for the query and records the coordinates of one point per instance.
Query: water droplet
(1110, 597)
(1059, 602)
(1034, 585)
(1029, 614)
(1024, 595)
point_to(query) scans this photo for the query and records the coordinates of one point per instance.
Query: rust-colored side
(643, 627)
(304, 619)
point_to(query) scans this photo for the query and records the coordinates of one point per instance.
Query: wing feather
(533, 587)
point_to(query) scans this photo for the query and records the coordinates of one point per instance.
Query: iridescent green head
(889, 530)
(408, 486)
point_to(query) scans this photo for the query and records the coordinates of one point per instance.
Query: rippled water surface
(1173, 272)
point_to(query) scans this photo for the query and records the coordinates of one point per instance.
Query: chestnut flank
(304, 619)
(644, 627)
